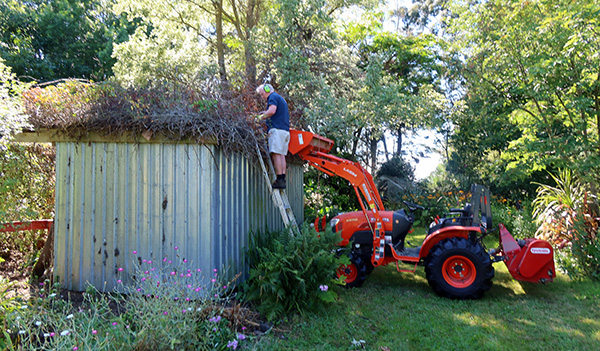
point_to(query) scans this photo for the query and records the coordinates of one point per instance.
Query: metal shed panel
(160, 200)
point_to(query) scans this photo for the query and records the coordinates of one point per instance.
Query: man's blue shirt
(281, 118)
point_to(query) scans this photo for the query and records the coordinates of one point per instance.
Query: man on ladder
(278, 124)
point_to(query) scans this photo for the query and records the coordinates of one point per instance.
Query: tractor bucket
(530, 260)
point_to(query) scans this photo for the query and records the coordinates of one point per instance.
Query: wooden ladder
(279, 196)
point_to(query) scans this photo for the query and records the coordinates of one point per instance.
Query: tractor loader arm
(315, 149)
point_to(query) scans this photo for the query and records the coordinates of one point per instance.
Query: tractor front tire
(459, 268)
(355, 272)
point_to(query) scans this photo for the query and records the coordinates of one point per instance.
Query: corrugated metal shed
(115, 198)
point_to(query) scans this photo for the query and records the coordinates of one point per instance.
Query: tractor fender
(445, 233)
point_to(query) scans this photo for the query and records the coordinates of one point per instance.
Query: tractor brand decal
(366, 191)
(349, 171)
(540, 250)
(300, 139)
(352, 220)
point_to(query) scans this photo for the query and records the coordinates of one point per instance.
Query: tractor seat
(456, 217)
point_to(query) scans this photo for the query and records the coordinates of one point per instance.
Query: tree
(26, 171)
(45, 40)
(535, 64)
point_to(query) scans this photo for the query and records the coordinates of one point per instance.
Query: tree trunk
(373, 151)
(220, 44)
(357, 134)
(387, 154)
(400, 131)
(45, 260)
(251, 21)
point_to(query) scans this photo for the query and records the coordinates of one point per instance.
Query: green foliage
(567, 215)
(7, 304)
(327, 196)
(291, 273)
(160, 311)
(530, 88)
(27, 182)
(50, 39)
(517, 218)
(26, 171)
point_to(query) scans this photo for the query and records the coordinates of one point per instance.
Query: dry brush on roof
(75, 109)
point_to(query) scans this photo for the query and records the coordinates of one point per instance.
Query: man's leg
(279, 163)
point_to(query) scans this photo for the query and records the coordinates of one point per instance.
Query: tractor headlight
(334, 222)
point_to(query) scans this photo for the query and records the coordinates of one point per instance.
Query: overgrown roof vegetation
(76, 108)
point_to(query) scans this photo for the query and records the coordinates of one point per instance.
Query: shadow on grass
(399, 311)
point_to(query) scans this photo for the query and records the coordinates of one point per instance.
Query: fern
(286, 271)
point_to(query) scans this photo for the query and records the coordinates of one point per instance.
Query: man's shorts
(279, 140)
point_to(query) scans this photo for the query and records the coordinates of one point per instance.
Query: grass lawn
(399, 311)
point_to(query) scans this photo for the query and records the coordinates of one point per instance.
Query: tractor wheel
(355, 272)
(458, 268)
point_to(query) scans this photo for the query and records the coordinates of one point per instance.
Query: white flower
(70, 316)
(46, 335)
(38, 323)
(22, 332)
(64, 333)
(24, 307)
(52, 295)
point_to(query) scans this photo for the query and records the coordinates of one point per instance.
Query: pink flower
(114, 323)
(215, 319)
(94, 332)
(149, 262)
(119, 281)
(173, 273)
(323, 287)
(165, 259)
(199, 270)
(241, 337)
(214, 270)
(135, 252)
(184, 260)
(213, 280)
(120, 269)
(75, 348)
(176, 248)
(165, 313)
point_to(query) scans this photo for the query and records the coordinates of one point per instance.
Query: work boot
(279, 184)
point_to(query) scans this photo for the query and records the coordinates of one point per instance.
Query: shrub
(567, 217)
(517, 219)
(291, 273)
(168, 307)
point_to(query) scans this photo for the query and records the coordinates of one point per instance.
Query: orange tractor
(457, 264)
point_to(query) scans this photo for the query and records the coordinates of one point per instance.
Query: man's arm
(269, 112)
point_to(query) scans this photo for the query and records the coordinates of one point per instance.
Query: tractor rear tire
(459, 268)
(355, 272)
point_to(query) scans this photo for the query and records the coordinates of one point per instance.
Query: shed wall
(116, 198)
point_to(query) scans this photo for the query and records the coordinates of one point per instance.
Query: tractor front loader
(457, 264)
